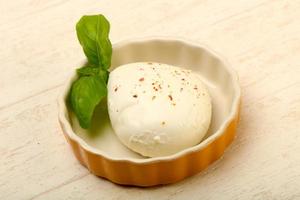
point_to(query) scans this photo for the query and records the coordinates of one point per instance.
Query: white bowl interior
(212, 70)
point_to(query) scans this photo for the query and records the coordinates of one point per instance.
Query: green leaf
(87, 71)
(86, 93)
(92, 32)
(91, 71)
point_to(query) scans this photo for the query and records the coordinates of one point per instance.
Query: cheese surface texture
(157, 109)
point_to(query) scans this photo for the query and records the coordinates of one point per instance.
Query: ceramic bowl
(102, 153)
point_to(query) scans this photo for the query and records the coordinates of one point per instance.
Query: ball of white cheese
(157, 109)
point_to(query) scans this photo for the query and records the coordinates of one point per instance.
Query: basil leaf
(91, 71)
(92, 32)
(87, 71)
(86, 93)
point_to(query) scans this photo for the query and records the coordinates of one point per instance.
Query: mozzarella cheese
(157, 109)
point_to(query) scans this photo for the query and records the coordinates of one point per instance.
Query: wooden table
(39, 50)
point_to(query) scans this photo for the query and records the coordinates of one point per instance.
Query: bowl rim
(66, 126)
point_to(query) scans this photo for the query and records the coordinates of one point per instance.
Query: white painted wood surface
(39, 49)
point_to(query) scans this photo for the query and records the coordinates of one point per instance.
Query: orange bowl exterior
(155, 173)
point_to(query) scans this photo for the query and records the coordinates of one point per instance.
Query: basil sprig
(90, 87)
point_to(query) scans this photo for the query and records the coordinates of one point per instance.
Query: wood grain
(39, 50)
